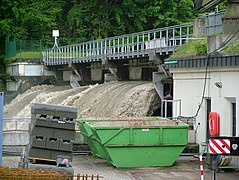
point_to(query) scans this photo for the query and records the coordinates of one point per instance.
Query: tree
(42, 17)
(94, 19)
(11, 18)
(83, 20)
(168, 13)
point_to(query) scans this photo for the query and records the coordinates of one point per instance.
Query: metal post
(1, 124)
(201, 168)
(165, 109)
(213, 175)
(213, 166)
(161, 112)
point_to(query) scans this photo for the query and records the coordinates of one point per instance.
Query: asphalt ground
(185, 167)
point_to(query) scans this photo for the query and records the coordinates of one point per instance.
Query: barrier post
(201, 167)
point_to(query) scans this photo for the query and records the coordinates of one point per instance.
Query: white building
(221, 94)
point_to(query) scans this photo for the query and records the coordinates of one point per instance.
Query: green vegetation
(85, 20)
(26, 55)
(232, 49)
(191, 48)
(88, 19)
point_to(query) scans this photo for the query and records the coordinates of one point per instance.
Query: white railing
(162, 40)
(16, 124)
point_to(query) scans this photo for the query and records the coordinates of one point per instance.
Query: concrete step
(191, 148)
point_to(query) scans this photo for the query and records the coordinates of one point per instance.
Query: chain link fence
(12, 47)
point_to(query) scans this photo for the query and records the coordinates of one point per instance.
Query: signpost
(222, 146)
(1, 124)
(55, 34)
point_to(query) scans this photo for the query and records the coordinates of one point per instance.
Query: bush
(191, 48)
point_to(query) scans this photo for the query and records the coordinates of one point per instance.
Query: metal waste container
(95, 146)
(137, 143)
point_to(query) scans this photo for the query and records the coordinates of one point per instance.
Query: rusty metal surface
(33, 174)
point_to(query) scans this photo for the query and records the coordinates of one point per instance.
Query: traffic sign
(219, 146)
(224, 145)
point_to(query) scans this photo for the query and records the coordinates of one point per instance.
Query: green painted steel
(135, 143)
(95, 146)
(12, 46)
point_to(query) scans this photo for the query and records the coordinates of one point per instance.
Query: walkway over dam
(161, 40)
(136, 56)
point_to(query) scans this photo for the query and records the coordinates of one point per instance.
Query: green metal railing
(12, 47)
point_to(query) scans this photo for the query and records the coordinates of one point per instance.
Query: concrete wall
(188, 86)
(27, 69)
(15, 139)
(96, 74)
(215, 42)
(12, 85)
(135, 73)
(109, 77)
(199, 27)
(67, 75)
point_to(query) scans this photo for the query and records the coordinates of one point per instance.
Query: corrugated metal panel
(200, 62)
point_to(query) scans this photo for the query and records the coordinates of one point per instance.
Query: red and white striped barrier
(219, 146)
(201, 167)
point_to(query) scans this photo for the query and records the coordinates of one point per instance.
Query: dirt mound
(131, 98)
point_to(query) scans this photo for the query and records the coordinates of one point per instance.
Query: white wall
(188, 86)
(33, 70)
(223, 97)
(27, 69)
(12, 85)
(12, 70)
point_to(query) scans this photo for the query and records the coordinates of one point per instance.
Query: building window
(233, 119)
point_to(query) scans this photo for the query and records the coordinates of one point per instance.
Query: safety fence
(211, 23)
(16, 124)
(12, 46)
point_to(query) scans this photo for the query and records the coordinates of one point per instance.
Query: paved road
(185, 168)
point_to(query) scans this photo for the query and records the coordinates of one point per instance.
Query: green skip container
(137, 143)
(94, 144)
